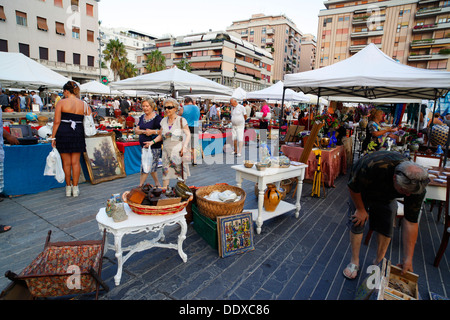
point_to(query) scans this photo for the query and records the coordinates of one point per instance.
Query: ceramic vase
(272, 198)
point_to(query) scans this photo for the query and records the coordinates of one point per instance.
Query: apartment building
(133, 40)
(413, 32)
(219, 56)
(60, 34)
(281, 37)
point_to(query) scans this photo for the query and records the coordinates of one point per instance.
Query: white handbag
(88, 123)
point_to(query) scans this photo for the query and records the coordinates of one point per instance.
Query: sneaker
(76, 191)
(239, 154)
(68, 191)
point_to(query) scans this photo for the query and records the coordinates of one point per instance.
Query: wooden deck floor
(294, 259)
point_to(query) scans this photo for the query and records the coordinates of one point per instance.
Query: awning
(213, 64)
(42, 24)
(60, 28)
(2, 14)
(197, 65)
(241, 69)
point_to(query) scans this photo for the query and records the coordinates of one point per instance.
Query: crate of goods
(398, 286)
(205, 227)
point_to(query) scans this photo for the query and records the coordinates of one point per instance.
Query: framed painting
(235, 234)
(103, 159)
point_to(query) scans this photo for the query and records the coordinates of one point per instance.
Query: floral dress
(378, 142)
(172, 143)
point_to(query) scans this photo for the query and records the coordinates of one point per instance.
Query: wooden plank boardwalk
(294, 259)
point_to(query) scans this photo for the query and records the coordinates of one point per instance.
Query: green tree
(115, 53)
(128, 70)
(184, 65)
(155, 61)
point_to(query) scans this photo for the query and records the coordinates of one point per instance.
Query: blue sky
(178, 17)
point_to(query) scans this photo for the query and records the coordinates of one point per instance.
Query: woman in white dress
(176, 136)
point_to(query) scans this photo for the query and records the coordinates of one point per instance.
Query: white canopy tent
(95, 87)
(172, 81)
(275, 92)
(371, 74)
(19, 71)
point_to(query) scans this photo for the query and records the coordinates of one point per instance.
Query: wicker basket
(155, 210)
(212, 209)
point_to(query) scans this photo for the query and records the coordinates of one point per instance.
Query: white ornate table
(137, 224)
(271, 175)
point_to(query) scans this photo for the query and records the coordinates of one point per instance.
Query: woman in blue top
(148, 129)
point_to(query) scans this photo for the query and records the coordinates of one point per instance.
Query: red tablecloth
(121, 145)
(334, 162)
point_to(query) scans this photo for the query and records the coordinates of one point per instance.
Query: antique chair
(446, 233)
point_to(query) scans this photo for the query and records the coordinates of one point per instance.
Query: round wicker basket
(155, 210)
(213, 209)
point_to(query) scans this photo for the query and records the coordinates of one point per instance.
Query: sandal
(4, 228)
(353, 268)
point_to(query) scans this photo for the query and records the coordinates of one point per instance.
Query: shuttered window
(42, 24)
(89, 10)
(24, 49)
(60, 28)
(61, 56)
(76, 58)
(90, 36)
(2, 14)
(43, 53)
(21, 18)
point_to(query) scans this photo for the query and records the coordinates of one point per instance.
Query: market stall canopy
(313, 99)
(275, 92)
(95, 87)
(19, 71)
(173, 79)
(371, 74)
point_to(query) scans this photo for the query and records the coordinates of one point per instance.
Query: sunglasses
(413, 181)
(169, 107)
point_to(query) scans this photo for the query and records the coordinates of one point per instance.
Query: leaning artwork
(235, 234)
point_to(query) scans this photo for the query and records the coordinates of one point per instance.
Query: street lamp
(100, 54)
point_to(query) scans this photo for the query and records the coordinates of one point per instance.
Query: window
(42, 24)
(43, 53)
(3, 45)
(24, 49)
(58, 3)
(61, 56)
(91, 60)
(75, 32)
(21, 18)
(89, 10)
(90, 36)
(60, 29)
(76, 58)
(2, 14)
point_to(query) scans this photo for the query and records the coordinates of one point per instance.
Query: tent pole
(432, 118)
(280, 121)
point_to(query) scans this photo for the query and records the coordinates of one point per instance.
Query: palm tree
(155, 61)
(184, 65)
(128, 70)
(115, 52)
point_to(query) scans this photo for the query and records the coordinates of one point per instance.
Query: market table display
(271, 175)
(24, 169)
(333, 161)
(132, 152)
(136, 223)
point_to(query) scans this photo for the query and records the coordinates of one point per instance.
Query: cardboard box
(395, 286)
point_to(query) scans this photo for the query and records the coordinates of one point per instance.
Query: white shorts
(238, 133)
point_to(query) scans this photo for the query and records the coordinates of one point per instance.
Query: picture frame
(103, 159)
(235, 234)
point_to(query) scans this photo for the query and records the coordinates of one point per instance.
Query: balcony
(270, 41)
(357, 48)
(363, 34)
(270, 31)
(364, 19)
(427, 57)
(425, 43)
(431, 27)
(432, 11)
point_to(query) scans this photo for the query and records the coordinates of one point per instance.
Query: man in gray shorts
(376, 182)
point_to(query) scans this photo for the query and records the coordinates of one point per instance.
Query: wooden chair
(428, 161)
(446, 233)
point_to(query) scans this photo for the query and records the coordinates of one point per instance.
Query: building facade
(133, 40)
(413, 32)
(219, 56)
(60, 34)
(281, 37)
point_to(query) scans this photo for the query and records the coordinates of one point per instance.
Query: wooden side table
(141, 223)
(271, 175)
